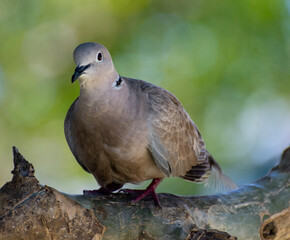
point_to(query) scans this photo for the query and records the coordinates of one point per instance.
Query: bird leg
(149, 190)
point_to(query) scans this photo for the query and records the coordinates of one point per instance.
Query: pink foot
(149, 190)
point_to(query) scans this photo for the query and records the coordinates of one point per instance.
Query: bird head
(94, 64)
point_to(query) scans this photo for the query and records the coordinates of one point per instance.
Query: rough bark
(29, 210)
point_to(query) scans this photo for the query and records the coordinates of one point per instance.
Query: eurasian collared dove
(124, 130)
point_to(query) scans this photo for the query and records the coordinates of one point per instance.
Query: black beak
(79, 71)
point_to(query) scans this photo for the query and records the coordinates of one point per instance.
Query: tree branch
(29, 210)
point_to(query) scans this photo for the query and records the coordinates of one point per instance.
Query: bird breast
(113, 142)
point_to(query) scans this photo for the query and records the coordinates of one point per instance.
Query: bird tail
(198, 173)
(210, 173)
(220, 182)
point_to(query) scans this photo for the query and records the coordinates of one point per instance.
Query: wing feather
(175, 141)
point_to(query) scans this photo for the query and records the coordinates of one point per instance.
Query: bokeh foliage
(227, 62)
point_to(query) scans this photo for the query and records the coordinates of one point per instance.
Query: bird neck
(90, 94)
(100, 96)
(95, 88)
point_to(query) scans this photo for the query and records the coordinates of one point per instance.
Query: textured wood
(30, 211)
(277, 226)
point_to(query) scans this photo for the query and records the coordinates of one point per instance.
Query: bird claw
(143, 193)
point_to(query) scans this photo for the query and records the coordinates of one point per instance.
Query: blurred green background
(227, 62)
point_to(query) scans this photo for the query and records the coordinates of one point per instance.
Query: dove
(123, 130)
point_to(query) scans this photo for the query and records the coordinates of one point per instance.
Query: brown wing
(68, 135)
(175, 141)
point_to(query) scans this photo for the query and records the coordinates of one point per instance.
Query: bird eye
(99, 57)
